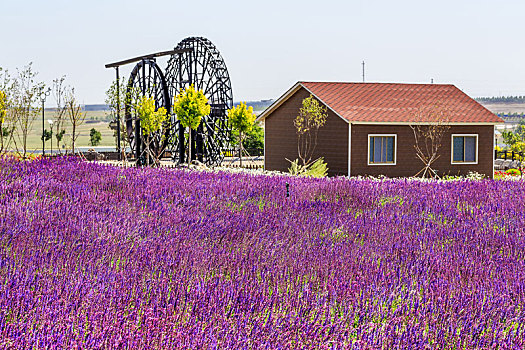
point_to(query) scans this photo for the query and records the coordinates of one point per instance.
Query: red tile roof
(399, 103)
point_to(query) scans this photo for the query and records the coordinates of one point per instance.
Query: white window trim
(368, 149)
(452, 149)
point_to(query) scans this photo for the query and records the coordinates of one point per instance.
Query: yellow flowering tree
(311, 117)
(151, 121)
(3, 114)
(242, 119)
(3, 106)
(190, 106)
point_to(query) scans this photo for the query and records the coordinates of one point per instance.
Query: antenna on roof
(363, 71)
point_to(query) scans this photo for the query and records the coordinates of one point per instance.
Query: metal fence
(508, 155)
(252, 152)
(504, 160)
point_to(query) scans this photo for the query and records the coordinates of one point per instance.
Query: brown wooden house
(368, 129)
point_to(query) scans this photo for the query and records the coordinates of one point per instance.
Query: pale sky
(477, 45)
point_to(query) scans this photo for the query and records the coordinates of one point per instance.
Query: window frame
(452, 162)
(368, 149)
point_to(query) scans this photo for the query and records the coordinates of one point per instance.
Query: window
(382, 149)
(465, 149)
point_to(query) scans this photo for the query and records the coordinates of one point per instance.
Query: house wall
(281, 138)
(407, 164)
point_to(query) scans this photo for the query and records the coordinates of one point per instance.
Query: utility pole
(118, 115)
(43, 97)
(363, 64)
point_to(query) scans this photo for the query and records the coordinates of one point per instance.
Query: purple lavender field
(95, 256)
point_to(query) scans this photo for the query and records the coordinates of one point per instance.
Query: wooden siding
(407, 164)
(281, 138)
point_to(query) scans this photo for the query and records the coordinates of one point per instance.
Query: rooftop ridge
(372, 83)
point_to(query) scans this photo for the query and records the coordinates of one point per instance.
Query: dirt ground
(505, 107)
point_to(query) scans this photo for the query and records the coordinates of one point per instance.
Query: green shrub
(513, 172)
(318, 168)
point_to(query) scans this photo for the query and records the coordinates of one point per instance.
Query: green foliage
(317, 168)
(47, 135)
(190, 106)
(311, 116)
(5, 131)
(255, 137)
(518, 146)
(252, 139)
(471, 175)
(116, 95)
(151, 120)
(513, 172)
(241, 118)
(515, 141)
(60, 135)
(94, 137)
(509, 138)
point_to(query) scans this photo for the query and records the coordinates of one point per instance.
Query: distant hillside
(502, 99)
(257, 106)
(101, 107)
(87, 108)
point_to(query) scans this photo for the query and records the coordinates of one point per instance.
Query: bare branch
(430, 125)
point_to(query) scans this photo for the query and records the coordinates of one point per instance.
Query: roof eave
(326, 104)
(279, 102)
(289, 94)
(424, 123)
(301, 84)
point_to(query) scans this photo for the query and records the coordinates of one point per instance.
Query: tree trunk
(73, 137)
(240, 149)
(1, 137)
(189, 147)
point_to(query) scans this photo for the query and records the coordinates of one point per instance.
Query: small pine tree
(47, 135)
(94, 137)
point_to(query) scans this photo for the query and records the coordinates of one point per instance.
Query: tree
(7, 122)
(116, 98)
(255, 137)
(47, 135)
(151, 122)
(429, 127)
(241, 119)
(75, 115)
(94, 137)
(312, 116)
(59, 93)
(3, 114)
(190, 106)
(509, 138)
(25, 105)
